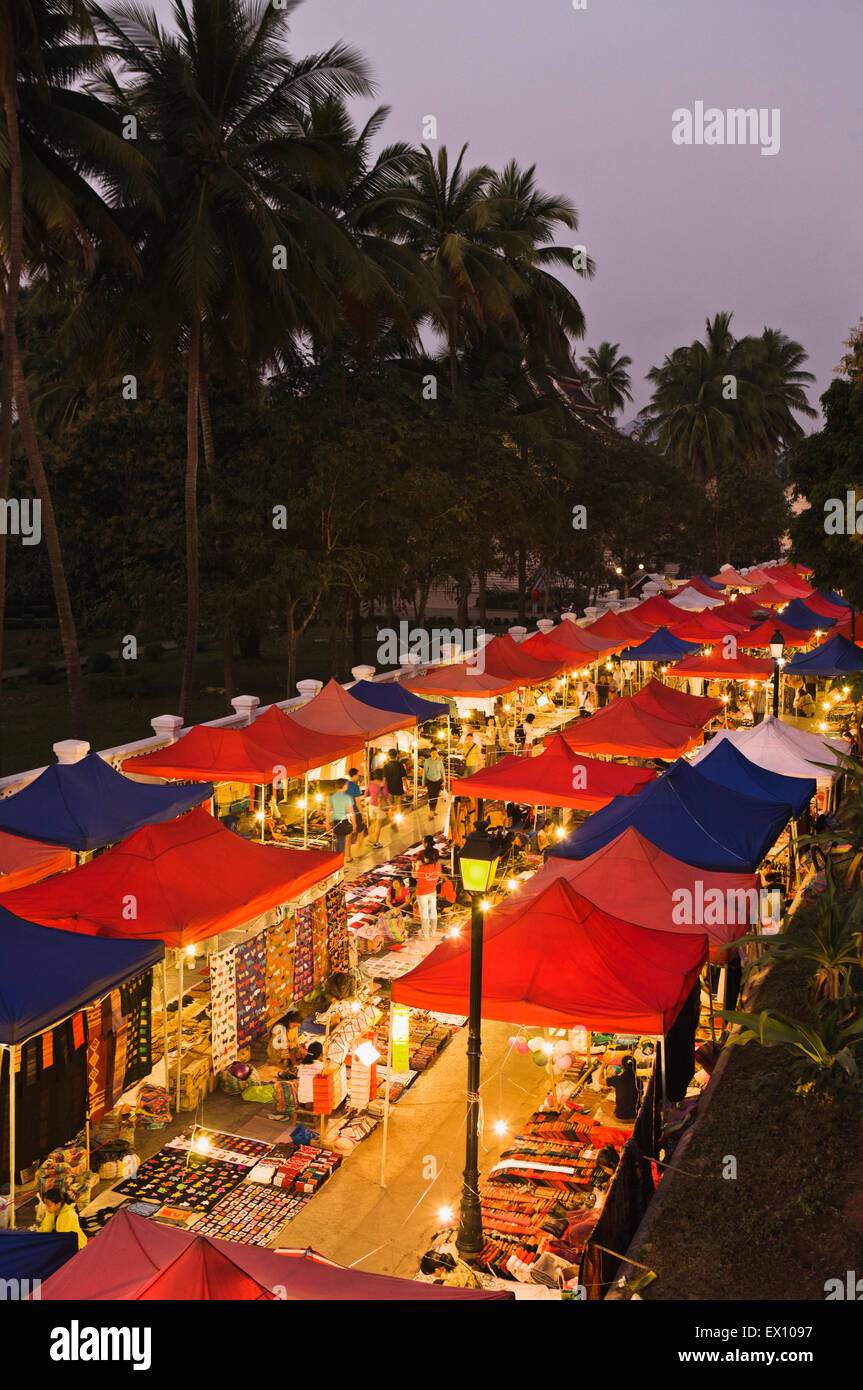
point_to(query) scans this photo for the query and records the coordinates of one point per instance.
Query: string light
(485, 905)
(512, 884)
(445, 1216)
(560, 832)
(501, 1127)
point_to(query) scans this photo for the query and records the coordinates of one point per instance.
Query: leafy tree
(608, 377)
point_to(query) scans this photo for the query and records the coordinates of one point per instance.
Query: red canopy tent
(656, 612)
(27, 861)
(704, 627)
(760, 636)
(130, 1252)
(633, 880)
(733, 579)
(738, 611)
(557, 777)
(755, 577)
(189, 879)
(703, 588)
(790, 578)
(275, 746)
(508, 659)
(589, 645)
(546, 649)
(623, 729)
(335, 712)
(715, 666)
(834, 612)
(622, 627)
(674, 705)
(776, 594)
(559, 961)
(459, 680)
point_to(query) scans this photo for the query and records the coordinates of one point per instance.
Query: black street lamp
(777, 648)
(478, 865)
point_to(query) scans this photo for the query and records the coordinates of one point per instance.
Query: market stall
(557, 777)
(834, 657)
(73, 1031)
(786, 749)
(675, 705)
(691, 817)
(124, 1259)
(623, 729)
(661, 645)
(87, 805)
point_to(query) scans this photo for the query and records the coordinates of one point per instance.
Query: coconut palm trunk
(210, 466)
(193, 597)
(66, 621)
(10, 289)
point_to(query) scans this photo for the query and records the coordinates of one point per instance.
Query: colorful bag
(392, 926)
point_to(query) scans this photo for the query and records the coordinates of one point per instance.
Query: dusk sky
(678, 233)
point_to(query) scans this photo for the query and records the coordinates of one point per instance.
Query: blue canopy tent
(395, 699)
(87, 805)
(47, 975)
(836, 657)
(726, 765)
(796, 614)
(26, 1256)
(661, 645)
(831, 596)
(711, 583)
(690, 817)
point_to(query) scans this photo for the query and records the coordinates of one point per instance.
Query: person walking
(378, 798)
(428, 876)
(395, 778)
(341, 818)
(434, 778)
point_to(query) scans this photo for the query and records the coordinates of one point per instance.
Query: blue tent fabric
(796, 614)
(832, 597)
(661, 645)
(711, 583)
(690, 817)
(394, 698)
(46, 974)
(726, 765)
(836, 657)
(87, 805)
(34, 1254)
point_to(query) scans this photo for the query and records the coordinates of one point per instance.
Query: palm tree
(608, 377)
(457, 225)
(66, 143)
(241, 254)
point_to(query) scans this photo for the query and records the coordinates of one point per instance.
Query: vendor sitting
(61, 1215)
(283, 1046)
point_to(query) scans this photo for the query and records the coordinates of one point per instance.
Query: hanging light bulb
(500, 1127)
(445, 1216)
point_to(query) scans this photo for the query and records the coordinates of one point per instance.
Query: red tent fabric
(756, 577)
(656, 612)
(789, 577)
(188, 879)
(633, 880)
(335, 712)
(202, 1272)
(704, 627)
(775, 594)
(675, 705)
(27, 861)
(127, 1253)
(834, 612)
(760, 636)
(733, 579)
(257, 754)
(508, 659)
(560, 961)
(588, 644)
(623, 729)
(620, 627)
(557, 777)
(543, 648)
(461, 679)
(703, 588)
(738, 611)
(717, 667)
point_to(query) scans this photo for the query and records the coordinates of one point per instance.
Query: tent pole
(10, 1053)
(662, 1056)
(387, 1100)
(263, 809)
(165, 1019)
(306, 809)
(416, 765)
(179, 1029)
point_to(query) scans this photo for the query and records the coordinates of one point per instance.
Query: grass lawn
(793, 1217)
(34, 716)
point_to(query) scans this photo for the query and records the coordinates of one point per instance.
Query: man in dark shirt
(394, 776)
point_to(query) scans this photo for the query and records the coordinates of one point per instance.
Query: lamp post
(477, 864)
(777, 648)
